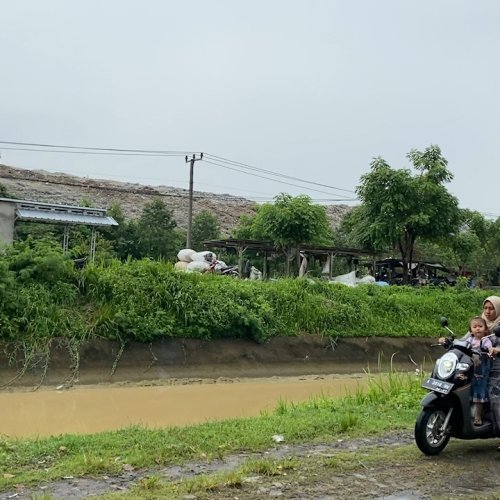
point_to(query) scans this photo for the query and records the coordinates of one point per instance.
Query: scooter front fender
(430, 400)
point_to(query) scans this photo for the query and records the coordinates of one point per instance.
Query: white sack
(203, 256)
(219, 266)
(199, 266)
(367, 279)
(181, 265)
(185, 254)
(348, 279)
(255, 274)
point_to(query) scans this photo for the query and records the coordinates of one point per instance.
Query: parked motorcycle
(447, 410)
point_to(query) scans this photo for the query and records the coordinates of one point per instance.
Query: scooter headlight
(446, 365)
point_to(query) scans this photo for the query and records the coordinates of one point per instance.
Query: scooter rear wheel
(430, 436)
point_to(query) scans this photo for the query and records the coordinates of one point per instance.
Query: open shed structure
(325, 253)
(12, 210)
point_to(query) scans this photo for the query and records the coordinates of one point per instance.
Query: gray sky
(310, 89)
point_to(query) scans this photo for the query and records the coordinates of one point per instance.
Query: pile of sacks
(350, 279)
(192, 261)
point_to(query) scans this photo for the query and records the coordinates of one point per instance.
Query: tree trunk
(406, 249)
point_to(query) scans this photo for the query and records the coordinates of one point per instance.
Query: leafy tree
(123, 238)
(244, 230)
(205, 227)
(492, 249)
(289, 222)
(354, 232)
(467, 244)
(156, 233)
(399, 207)
(467, 250)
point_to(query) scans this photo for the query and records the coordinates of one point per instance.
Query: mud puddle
(95, 408)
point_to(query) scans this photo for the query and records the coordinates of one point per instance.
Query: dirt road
(388, 467)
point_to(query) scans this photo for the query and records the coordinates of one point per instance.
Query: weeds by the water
(390, 402)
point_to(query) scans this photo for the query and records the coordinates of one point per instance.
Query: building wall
(7, 219)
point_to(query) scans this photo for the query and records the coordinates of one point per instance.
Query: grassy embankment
(144, 300)
(389, 403)
(45, 302)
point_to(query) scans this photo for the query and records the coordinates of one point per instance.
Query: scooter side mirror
(443, 321)
(496, 330)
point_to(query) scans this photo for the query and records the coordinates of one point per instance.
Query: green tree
(399, 207)
(289, 222)
(492, 249)
(156, 233)
(353, 232)
(205, 227)
(123, 237)
(467, 245)
(244, 230)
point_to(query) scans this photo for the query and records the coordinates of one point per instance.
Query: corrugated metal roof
(62, 216)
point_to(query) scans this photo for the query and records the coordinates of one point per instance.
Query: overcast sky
(309, 89)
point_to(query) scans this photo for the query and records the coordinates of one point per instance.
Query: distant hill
(65, 189)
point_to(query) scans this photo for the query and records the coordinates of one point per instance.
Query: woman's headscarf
(495, 301)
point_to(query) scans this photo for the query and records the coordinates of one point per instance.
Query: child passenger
(478, 329)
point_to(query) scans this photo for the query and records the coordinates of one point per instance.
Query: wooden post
(240, 262)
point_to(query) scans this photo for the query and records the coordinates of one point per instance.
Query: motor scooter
(447, 410)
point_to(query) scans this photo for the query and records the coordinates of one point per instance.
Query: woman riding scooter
(491, 313)
(446, 409)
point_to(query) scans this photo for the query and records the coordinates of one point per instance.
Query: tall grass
(145, 300)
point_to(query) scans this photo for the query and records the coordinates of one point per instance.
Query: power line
(267, 178)
(315, 200)
(154, 151)
(26, 146)
(111, 153)
(277, 174)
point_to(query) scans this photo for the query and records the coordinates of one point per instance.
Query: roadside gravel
(386, 467)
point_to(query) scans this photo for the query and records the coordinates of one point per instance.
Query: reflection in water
(85, 410)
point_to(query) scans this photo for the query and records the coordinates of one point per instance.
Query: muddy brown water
(174, 383)
(90, 409)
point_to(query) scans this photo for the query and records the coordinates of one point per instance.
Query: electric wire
(277, 174)
(111, 153)
(263, 177)
(150, 152)
(89, 150)
(59, 146)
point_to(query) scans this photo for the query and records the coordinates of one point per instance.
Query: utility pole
(190, 209)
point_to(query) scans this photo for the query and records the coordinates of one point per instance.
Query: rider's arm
(441, 340)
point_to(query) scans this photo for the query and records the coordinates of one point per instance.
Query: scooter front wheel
(430, 436)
